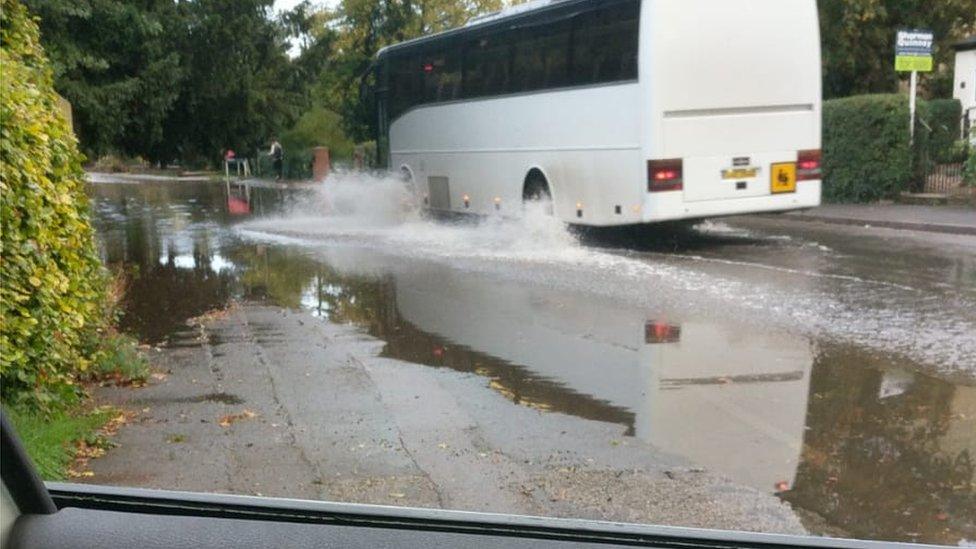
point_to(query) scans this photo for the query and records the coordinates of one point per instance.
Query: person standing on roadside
(276, 153)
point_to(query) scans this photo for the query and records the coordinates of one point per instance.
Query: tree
(240, 88)
(175, 80)
(113, 61)
(857, 38)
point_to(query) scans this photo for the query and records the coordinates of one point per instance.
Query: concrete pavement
(942, 219)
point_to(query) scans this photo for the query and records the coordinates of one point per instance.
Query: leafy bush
(969, 168)
(319, 127)
(118, 361)
(369, 154)
(866, 153)
(52, 284)
(110, 163)
(942, 118)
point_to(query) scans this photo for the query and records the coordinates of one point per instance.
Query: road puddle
(861, 441)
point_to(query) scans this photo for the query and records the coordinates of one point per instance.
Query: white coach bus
(621, 111)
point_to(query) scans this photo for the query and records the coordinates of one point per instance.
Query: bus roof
(485, 21)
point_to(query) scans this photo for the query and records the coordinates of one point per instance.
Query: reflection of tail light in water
(661, 332)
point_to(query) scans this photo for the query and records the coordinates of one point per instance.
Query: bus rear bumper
(670, 206)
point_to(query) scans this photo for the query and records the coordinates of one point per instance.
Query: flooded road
(832, 367)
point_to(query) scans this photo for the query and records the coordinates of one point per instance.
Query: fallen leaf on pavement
(227, 420)
(80, 474)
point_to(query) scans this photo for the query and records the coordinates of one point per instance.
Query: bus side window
(487, 65)
(406, 83)
(442, 76)
(605, 44)
(541, 57)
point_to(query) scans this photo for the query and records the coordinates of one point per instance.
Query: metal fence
(943, 178)
(941, 172)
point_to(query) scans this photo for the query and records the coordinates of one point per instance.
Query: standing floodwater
(786, 361)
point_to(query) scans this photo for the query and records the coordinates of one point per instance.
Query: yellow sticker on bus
(782, 177)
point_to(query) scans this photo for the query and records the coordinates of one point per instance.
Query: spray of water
(385, 212)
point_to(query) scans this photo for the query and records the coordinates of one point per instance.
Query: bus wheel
(536, 190)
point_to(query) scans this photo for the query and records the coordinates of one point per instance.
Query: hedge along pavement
(866, 144)
(943, 122)
(52, 284)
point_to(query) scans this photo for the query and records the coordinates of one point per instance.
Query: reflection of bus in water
(622, 111)
(732, 401)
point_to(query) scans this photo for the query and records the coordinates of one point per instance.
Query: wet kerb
(869, 443)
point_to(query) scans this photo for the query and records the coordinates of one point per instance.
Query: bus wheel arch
(406, 174)
(536, 185)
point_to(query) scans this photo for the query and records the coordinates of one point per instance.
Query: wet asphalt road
(752, 373)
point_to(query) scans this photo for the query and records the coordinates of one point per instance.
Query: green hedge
(943, 118)
(866, 153)
(52, 284)
(865, 147)
(969, 168)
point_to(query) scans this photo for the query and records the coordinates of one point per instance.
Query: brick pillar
(321, 165)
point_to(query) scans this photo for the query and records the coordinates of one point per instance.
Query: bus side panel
(585, 140)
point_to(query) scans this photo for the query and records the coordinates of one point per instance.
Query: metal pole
(911, 109)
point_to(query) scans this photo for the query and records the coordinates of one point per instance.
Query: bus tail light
(664, 175)
(808, 165)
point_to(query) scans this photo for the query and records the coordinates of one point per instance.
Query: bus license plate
(739, 173)
(782, 177)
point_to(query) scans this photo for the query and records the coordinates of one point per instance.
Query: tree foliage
(172, 80)
(114, 62)
(319, 127)
(858, 37)
(51, 281)
(241, 87)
